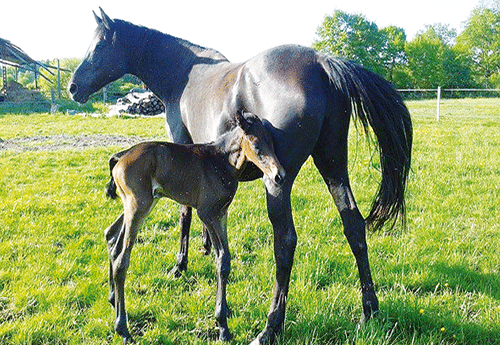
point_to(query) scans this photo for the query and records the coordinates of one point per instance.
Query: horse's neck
(163, 62)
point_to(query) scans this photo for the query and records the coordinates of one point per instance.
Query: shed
(12, 55)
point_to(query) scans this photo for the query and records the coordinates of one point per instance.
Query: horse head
(104, 62)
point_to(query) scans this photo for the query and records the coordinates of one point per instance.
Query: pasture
(438, 280)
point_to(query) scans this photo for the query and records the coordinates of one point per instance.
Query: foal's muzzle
(278, 179)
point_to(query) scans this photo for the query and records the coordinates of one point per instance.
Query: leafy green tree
(433, 60)
(480, 44)
(352, 37)
(424, 54)
(392, 53)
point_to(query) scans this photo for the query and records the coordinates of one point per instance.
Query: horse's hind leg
(330, 157)
(285, 241)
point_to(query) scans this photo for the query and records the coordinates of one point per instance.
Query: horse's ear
(105, 21)
(108, 22)
(97, 19)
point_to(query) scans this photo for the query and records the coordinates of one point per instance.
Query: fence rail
(439, 91)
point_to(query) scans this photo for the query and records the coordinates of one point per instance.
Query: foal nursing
(203, 176)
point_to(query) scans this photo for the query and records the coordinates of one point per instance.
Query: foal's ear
(244, 120)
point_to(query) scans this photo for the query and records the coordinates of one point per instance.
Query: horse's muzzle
(73, 92)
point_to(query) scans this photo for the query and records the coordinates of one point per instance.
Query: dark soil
(59, 142)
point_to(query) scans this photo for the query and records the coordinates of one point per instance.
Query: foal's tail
(111, 186)
(376, 104)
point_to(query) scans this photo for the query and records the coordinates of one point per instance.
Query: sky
(237, 29)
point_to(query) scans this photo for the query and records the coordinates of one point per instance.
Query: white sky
(238, 29)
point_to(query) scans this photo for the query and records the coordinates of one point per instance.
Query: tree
(392, 53)
(446, 34)
(480, 44)
(353, 37)
(424, 60)
(433, 61)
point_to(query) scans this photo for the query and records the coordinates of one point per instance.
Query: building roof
(12, 55)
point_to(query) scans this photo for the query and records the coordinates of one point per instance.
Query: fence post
(53, 107)
(58, 79)
(438, 112)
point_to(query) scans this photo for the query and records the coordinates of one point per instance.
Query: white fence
(439, 92)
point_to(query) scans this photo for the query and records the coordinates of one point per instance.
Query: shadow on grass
(463, 278)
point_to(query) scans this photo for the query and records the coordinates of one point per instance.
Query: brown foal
(203, 176)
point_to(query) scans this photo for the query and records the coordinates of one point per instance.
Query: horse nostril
(73, 88)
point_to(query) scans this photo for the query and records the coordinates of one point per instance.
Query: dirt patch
(15, 92)
(60, 142)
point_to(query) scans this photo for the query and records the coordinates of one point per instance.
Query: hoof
(128, 340)
(225, 335)
(122, 330)
(176, 272)
(265, 337)
(370, 307)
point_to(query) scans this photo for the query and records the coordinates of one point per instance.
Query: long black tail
(376, 103)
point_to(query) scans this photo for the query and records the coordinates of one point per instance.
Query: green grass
(438, 281)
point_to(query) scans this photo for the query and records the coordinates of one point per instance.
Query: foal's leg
(285, 240)
(134, 215)
(111, 235)
(216, 225)
(331, 161)
(207, 243)
(182, 255)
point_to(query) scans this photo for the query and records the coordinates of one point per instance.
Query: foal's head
(257, 147)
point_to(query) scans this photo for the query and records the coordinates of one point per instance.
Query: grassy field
(438, 281)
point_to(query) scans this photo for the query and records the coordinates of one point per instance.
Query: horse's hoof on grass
(176, 272)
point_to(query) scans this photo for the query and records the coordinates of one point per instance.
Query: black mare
(305, 99)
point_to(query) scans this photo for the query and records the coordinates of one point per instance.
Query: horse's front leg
(285, 241)
(216, 225)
